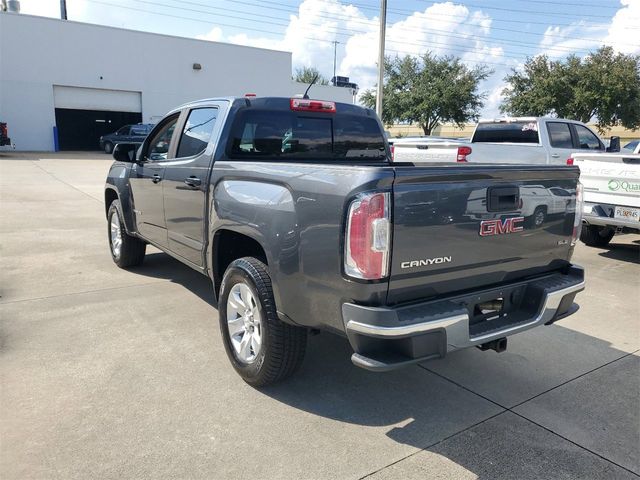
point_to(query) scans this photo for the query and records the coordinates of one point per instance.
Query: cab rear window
(507, 132)
(282, 135)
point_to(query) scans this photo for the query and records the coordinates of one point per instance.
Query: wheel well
(109, 196)
(229, 246)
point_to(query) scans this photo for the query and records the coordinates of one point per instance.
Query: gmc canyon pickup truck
(293, 209)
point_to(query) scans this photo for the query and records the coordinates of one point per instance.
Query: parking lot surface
(122, 374)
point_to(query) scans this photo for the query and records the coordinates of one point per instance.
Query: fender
(265, 213)
(118, 182)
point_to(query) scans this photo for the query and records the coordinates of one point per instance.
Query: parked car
(293, 210)
(523, 140)
(127, 134)
(633, 146)
(612, 195)
(4, 135)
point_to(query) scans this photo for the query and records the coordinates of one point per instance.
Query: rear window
(282, 135)
(507, 132)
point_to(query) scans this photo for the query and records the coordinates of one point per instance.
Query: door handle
(555, 155)
(193, 181)
(156, 178)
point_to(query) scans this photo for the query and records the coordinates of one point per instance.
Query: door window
(559, 135)
(586, 139)
(123, 131)
(197, 131)
(159, 144)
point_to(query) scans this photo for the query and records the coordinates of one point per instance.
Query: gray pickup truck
(293, 209)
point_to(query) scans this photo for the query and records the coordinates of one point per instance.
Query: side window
(124, 130)
(159, 145)
(197, 131)
(586, 139)
(559, 135)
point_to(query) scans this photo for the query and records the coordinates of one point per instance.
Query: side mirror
(125, 152)
(614, 144)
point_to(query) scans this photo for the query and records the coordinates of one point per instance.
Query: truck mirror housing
(614, 144)
(125, 152)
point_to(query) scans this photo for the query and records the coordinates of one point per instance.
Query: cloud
(621, 33)
(317, 23)
(620, 36)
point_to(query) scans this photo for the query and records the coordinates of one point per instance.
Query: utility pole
(383, 28)
(335, 46)
(63, 9)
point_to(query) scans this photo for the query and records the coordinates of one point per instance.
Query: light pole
(335, 47)
(63, 9)
(383, 28)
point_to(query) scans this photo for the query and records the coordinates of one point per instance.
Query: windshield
(282, 135)
(507, 132)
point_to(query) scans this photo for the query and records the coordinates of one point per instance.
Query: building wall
(37, 53)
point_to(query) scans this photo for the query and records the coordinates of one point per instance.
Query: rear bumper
(601, 214)
(385, 338)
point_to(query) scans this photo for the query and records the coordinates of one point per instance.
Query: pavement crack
(52, 175)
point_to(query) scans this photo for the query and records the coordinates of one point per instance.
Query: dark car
(127, 134)
(294, 211)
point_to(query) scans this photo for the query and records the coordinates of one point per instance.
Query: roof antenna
(306, 96)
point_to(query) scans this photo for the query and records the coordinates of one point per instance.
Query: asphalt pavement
(107, 373)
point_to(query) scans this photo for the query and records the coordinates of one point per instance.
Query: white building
(87, 80)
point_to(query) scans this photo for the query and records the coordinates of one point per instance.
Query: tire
(262, 349)
(108, 147)
(128, 251)
(596, 236)
(538, 218)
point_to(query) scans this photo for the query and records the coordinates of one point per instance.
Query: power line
(346, 33)
(569, 4)
(447, 33)
(340, 30)
(510, 21)
(268, 32)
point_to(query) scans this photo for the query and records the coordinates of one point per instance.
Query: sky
(499, 34)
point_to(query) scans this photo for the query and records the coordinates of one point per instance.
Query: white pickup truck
(611, 184)
(527, 140)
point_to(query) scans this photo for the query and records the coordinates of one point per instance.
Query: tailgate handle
(503, 199)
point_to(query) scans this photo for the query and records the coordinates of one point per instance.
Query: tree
(429, 91)
(604, 85)
(307, 74)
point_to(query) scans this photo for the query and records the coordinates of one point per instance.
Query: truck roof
(526, 119)
(277, 103)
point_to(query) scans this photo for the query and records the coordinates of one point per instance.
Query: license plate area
(500, 309)
(627, 213)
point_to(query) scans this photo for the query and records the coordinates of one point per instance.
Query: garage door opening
(83, 115)
(82, 129)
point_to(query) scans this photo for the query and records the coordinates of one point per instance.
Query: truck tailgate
(463, 227)
(425, 152)
(610, 178)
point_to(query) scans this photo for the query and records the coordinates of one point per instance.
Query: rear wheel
(539, 216)
(596, 236)
(126, 251)
(261, 348)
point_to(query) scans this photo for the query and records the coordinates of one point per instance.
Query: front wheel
(596, 236)
(126, 251)
(108, 147)
(261, 348)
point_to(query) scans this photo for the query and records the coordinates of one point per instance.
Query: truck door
(185, 182)
(560, 142)
(146, 181)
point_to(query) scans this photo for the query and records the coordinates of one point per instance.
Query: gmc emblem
(500, 227)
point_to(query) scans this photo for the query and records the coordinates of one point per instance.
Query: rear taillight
(304, 105)
(577, 219)
(393, 152)
(570, 161)
(368, 237)
(462, 154)
(3, 129)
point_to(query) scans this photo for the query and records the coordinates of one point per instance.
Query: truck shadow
(161, 265)
(623, 252)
